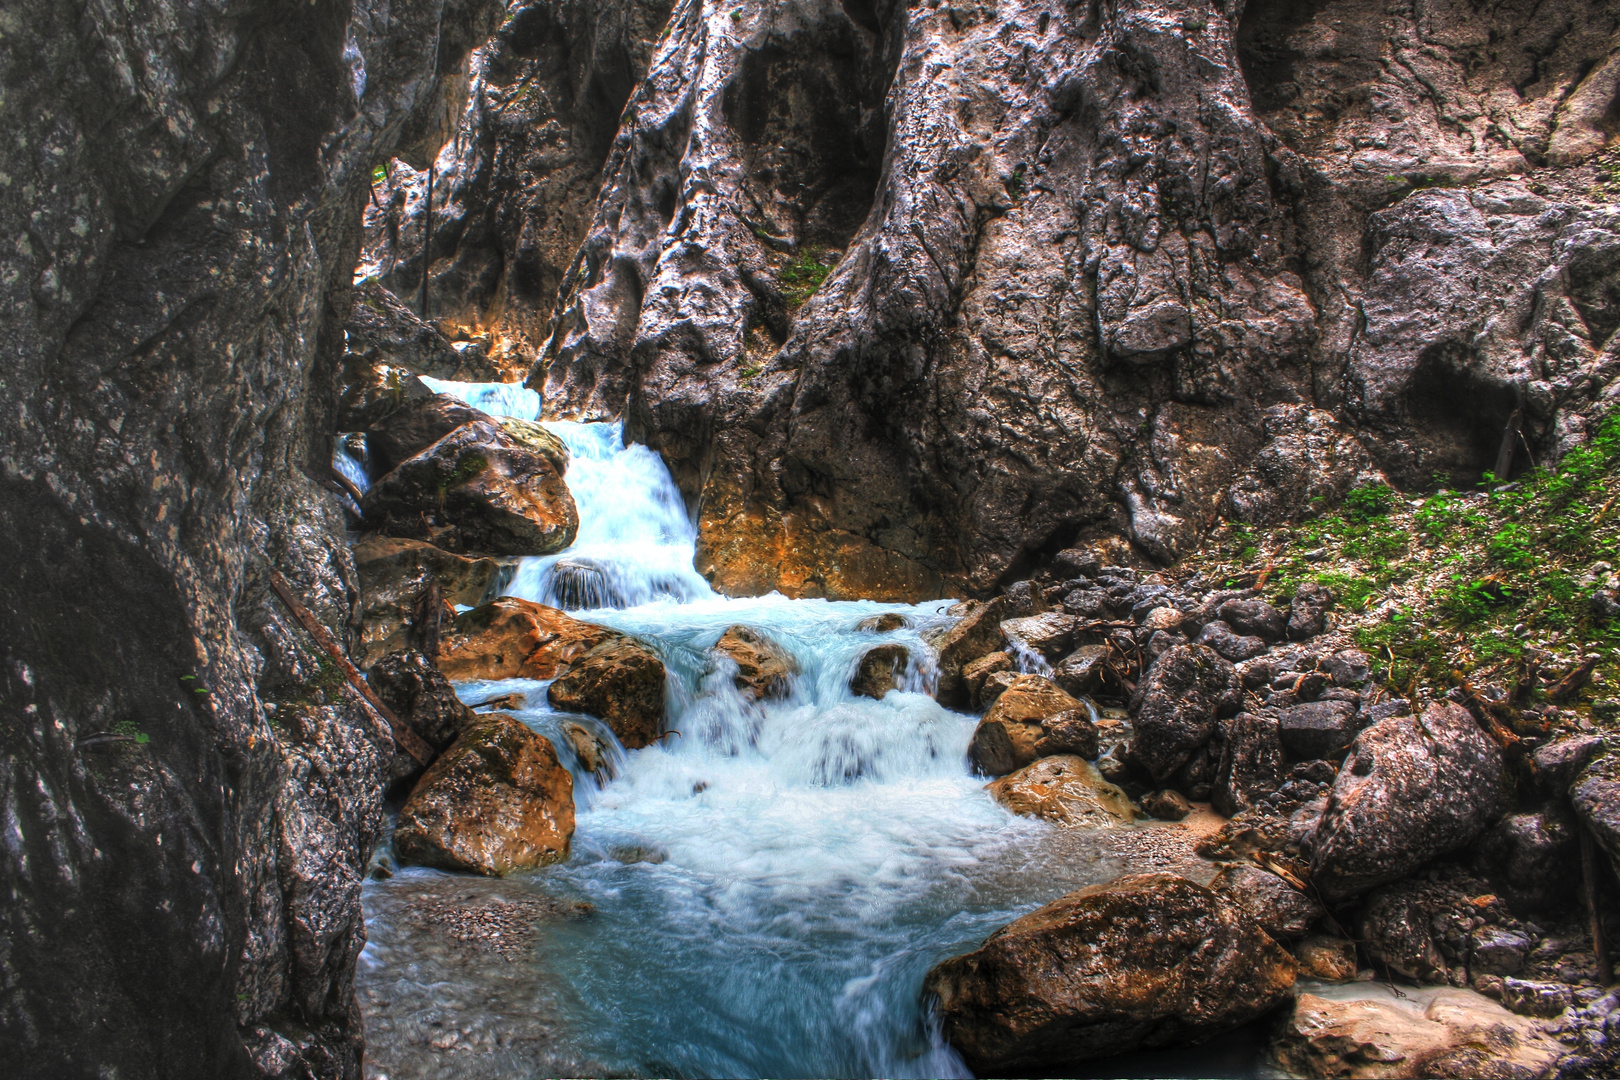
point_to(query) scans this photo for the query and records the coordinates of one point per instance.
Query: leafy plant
(129, 730)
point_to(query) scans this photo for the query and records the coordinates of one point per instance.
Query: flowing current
(759, 894)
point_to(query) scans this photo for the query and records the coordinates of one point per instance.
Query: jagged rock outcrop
(181, 196)
(832, 245)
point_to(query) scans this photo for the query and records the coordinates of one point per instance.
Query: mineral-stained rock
(1307, 613)
(394, 574)
(975, 634)
(975, 673)
(536, 437)
(620, 682)
(882, 624)
(1331, 959)
(1050, 634)
(1410, 790)
(1178, 705)
(477, 490)
(1316, 730)
(880, 670)
(1144, 961)
(1066, 789)
(1166, 805)
(764, 668)
(1031, 719)
(510, 638)
(1254, 616)
(1276, 906)
(496, 801)
(1251, 763)
(1081, 672)
(1456, 1033)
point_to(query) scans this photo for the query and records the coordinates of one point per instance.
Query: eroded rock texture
(1114, 268)
(189, 795)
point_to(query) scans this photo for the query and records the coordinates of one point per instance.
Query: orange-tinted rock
(497, 800)
(1065, 789)
(1031, 719)
(764, 668)
(620, 682)
(1145, 961)
(977, 633)
(880, 671)
(510, 638)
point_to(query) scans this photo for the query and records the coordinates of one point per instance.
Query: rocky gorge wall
(910, 297)
(188, 795)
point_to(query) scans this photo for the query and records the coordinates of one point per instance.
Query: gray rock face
(1531, 859)
(1596, 798)
(1274, 905)
(1251, 763)
(182, 199)
(1179, 703)
(1411, 789)
(1318, 729)
(833, 310)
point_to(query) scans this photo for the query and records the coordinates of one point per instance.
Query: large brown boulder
(415, 426)
(477, 490)
(1051, 633)
(510, 638)
(394, 574)
(1149, 960)
(977, 633)
(1031, 719)
(418, 693)
(496, 801)
(618, 681)
(1410, 790)
(1066, 789)
(1178, 705)
(880, 671)
(764, 668)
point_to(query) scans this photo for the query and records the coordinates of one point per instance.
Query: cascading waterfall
(770, 883)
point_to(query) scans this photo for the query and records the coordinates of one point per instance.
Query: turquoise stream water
(767, 887)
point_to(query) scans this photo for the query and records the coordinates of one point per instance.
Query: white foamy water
(771, 881)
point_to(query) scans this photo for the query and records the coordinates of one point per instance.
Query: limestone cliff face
(1098, 269)
(188, 796)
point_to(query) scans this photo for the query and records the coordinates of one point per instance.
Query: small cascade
(770, 882)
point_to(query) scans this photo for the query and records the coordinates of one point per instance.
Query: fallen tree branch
(406, 739)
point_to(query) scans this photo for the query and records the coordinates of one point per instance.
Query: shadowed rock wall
(188, 797)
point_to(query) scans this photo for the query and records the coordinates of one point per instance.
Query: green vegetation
(803, 275)
(129, 730)
(1496, 584)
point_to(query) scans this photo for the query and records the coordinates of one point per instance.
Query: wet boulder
(1423, 927)
(395, 574)
(975, 634)
(1081, 672)
(536, 437)
(1050, 634)
(497, 800)
(414, 427)
(1178, 706)
(375, 391)
(1274, 905)
(880, 670)
(1531, 858)
(1453, 1033)
(1559, 763)
(594, 751)
(1411, 789)
(995, 684)
(382, 327)
(1348, 668)
(418, 693)
(764, 668)
(510, 638)
(476, 491)
(621, 682)
(1316, 730)
(884, 623)
(1032, 719)
(1308, 612)
(975, 674)
(1251, 763)
(1254, 617)
(1146, 961)
(1065, 789)
(1233, 646)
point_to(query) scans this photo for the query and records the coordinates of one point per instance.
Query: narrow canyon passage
(759, 894)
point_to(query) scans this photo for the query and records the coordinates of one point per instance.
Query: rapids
(759, 894)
